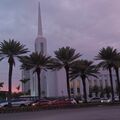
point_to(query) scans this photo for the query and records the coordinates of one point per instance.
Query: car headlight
(33, 104)
(102, 101)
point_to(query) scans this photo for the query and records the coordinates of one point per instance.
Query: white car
(3, 104)
(16, 103)
(116, 98)
(105, 100)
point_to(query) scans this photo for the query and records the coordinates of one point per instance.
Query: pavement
(94, 113)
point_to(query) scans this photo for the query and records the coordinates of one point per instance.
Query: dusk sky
(86, 25)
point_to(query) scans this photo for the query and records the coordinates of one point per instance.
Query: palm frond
(54, 64)
(83, 68)
(34, 61)
(24, 80)
(66, 55)
(108, 57)
(12, 48)
(1, 84)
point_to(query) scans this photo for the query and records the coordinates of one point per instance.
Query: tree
(83, 69)
(38, 62)
(101, 92)
(18, 88)
(90, 92)
(107, 91)
(107, 57)
(90, 88)
(1, 84)
(64, 57)
(116, 66)
(11, 49)
(96, 90)
(24, 81)
(101, 89)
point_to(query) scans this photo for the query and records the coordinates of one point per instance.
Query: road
(96, 113)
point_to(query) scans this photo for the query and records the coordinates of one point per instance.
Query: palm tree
(1, 84)
(90, 89)
(116, 66)
(90, 92)
(96, 90)
(101, 92)
(37, 62)
(18, 88)
(11, 49)
(107, 57)
(83, 69)
(64, 57)
(107, 91)
(114, 62)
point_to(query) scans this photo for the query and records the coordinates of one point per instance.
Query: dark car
(41, 103)
(95, 100)
(63, 102)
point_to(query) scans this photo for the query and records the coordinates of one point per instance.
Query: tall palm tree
(1, 84)
(38, 62)
(11, 49)
(83, 69)
(116, 66)
(107, 57)
(64, 57)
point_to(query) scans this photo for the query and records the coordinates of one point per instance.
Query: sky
(86, 25)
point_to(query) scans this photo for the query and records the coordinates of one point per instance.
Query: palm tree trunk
(39, 83)
(118, 81)
(10, 84)
(84, 89)
(111, 82)
(68, 84)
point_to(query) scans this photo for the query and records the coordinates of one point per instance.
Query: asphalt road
(96, 113)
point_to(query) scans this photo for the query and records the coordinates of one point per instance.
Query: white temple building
(53, 83)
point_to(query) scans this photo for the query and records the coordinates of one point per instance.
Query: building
(53, 83)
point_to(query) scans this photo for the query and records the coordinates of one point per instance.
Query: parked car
(15, 103)
(2, 101)
(72, 101)
(78, 100)
(63, 102)
(105, 100)
(116, 99)
(41, 103)
(3, 104)
(54, 102)
(95, 100)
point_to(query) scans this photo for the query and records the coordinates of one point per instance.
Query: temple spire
(39, 21)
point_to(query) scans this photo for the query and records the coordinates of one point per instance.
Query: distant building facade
(53, 83)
